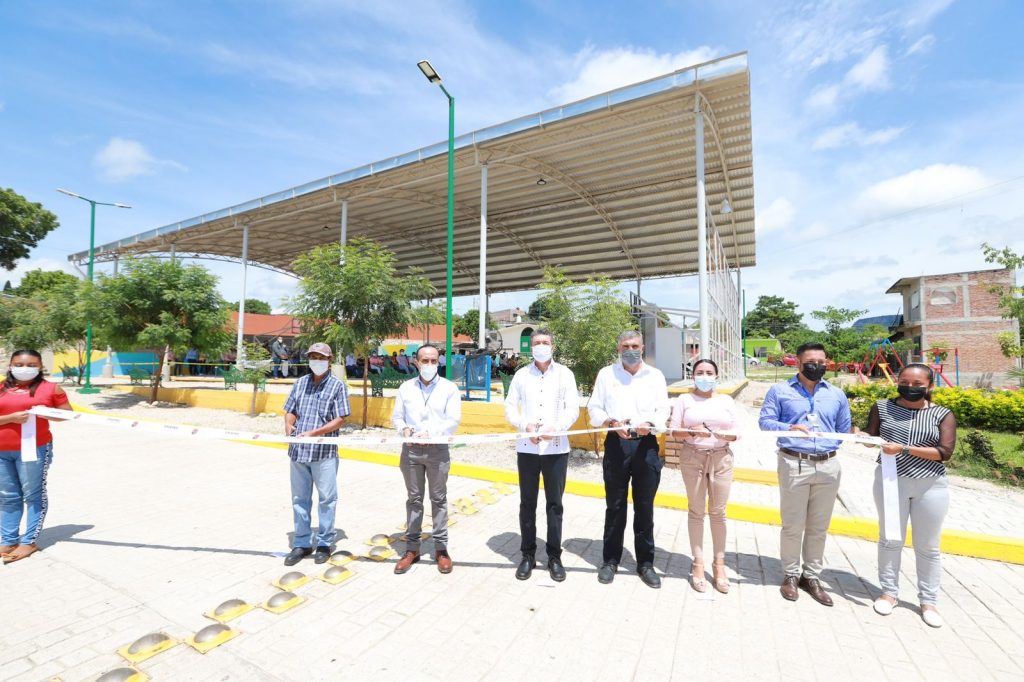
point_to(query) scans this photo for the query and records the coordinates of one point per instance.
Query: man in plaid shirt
(317, 406)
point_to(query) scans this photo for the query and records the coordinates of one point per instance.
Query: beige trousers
(808, 491)
(707, 474)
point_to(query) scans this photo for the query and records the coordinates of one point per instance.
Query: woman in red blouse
(23, 481)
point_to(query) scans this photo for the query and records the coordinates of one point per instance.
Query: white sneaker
(931, 617)
(883, 606)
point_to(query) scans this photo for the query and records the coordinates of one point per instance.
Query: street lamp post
(88, 387)
(435, 78)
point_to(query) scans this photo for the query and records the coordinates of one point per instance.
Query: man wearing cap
(316, 406)
(427, 406)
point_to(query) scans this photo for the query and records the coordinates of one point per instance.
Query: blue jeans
(23, 484)
(324, 475)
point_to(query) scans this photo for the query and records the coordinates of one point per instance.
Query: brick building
(957, 311)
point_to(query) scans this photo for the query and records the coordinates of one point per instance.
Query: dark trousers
(624, 460)
(554, 468)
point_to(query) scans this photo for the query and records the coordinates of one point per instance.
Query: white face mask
(319, 367)
(541, 352)
(25, 373)
(428, 372)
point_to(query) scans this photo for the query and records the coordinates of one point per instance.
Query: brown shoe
(406, 562)
(20, 552)
(7, 549)
(813, 587)
(788, 589)
(444, 562)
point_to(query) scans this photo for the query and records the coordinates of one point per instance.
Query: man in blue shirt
(809, 471)
(316, 406)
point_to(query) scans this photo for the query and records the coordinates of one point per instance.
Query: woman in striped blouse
(921, 436)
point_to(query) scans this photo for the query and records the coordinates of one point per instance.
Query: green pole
(88, 387)
(451, 221)
(743, 332)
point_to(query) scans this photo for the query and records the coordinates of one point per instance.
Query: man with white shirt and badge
(631, 398)
(426, 407)
(542, 399)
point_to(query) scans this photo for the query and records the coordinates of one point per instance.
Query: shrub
(973, 408)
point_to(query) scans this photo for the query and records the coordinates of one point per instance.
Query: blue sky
(887, 136)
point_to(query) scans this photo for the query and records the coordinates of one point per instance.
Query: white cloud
(778, 214)
(598, 72)
(872, 72)
(922, 187)
(921, 45)
(851, 133)
(923, 11)
(122, 159)
(823, 97)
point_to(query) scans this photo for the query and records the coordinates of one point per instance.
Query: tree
(586, 319)
(53, 319)
(422, 317)
(40, 282)
(469, 324)
(793, 338)
(1010, 298)
(252, 305)
(539, 309)
(254, 368)
(354, 298)
(160, 305)
(23, 224)
(772, 316)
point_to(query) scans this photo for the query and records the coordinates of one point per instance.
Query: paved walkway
(145, 535)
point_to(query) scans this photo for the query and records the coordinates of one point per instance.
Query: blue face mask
(705, 384)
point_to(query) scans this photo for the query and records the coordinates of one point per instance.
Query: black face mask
(813, 372)
(912, 393)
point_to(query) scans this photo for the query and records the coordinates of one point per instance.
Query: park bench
(70, 373)
(232, 377)
(140, 376)
(388, 379)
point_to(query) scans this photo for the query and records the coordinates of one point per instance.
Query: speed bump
(291, 580)
(335, 575)
(146, 646)
(210, 637)
(123, 675)
(229, 610)
(341, 557)
(380, 553)
(379, 540)
(282, 601)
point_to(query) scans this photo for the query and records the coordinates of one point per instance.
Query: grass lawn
(1008, 450)
(769, 373)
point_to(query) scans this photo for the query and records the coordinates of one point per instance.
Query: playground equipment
(879, 360)
(471, 373)
(937, 356)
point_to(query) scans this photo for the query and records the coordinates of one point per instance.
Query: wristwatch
(905, 451)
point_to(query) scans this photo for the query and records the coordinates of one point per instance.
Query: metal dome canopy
(618, 195)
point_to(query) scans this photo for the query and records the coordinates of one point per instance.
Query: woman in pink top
(699, 419)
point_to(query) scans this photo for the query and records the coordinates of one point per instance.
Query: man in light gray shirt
(427, 406)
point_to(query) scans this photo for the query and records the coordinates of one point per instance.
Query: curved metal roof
(619, 196)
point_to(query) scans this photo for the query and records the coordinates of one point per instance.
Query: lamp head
(429, 72)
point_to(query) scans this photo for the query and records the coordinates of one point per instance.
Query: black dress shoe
(321, 555)
(296, 555)
(556, 569)
(525, 569)
(607, 572)
(650, 578)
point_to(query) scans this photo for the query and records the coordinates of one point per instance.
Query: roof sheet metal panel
(631, 158)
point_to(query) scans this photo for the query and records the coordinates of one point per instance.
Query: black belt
(810, 456)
